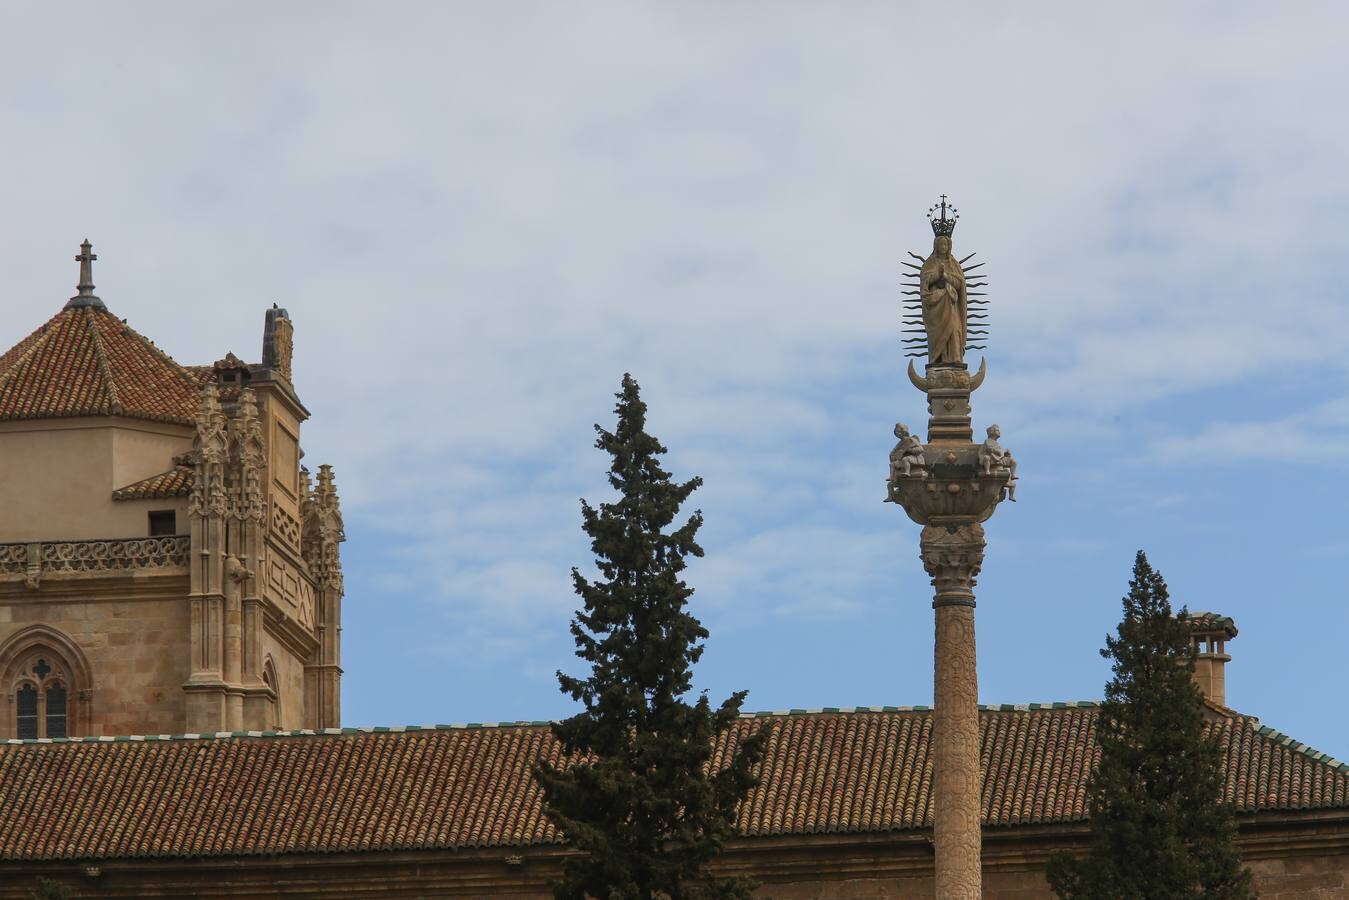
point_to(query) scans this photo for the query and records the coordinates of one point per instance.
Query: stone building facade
(166, 565)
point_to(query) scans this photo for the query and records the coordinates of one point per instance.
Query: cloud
(480, 216)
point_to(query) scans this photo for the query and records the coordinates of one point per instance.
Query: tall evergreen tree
(641, 802)
(1159, 828)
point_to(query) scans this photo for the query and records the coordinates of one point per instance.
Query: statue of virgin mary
(941, 284)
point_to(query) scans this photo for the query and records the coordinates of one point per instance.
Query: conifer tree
(1159, 828)
(641, 803)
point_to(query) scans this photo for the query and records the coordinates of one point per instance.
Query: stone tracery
(43, 666)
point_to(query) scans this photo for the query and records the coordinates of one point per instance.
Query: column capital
(952, 556)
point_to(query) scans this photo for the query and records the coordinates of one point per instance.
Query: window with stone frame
(163, 522)
(41, 700)
(46, 684)
(26, 704)
(274, 701)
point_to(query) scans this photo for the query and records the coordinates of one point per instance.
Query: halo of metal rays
(976, 322)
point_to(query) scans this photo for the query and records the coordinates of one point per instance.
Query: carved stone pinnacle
(85, 289)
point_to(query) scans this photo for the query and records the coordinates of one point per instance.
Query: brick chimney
(1210, 632)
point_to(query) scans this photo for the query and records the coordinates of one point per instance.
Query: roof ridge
(93, 364)
(519, 723)
(269, 733)
(983, 707)
(101, 355)
(178, 368)
(1266, 731)
(1297, 746)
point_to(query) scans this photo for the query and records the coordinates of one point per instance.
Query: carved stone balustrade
(34, 561)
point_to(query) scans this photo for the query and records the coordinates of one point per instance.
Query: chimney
(1210, 632)
(278, 339)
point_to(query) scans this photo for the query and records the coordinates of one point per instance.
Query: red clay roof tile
(86, 362)
(177, 482)
(859, 771)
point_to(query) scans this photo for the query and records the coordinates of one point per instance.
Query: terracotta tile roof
(1203, 622)
(177, 482)
(470, 786)
(86, 362)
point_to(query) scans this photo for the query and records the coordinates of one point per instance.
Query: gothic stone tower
(165, 564)
(951, 486)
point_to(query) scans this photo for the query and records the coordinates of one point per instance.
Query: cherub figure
(907, 457)
(993, 455)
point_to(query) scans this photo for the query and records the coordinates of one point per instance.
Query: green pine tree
(643, 805)
(1159, 828)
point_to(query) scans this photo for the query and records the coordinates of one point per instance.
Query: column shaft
(956, 770)
(952, 555)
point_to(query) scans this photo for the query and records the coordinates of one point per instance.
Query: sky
(481, 215)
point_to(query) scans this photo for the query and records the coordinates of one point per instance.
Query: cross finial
(943, 217)
(86, 296)
(86, 261)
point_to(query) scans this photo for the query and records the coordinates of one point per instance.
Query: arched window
(47, 682)
(57, 713)
(41, 702)
(27, 705)
(269, 679)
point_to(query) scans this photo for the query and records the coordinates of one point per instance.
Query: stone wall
(1302, 877)
(133, 635)
(59, 475)
(1294, 861)
(290, 678)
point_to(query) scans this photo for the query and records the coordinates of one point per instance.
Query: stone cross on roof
(86, 296)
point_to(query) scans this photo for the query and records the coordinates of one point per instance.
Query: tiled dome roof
(86, 362)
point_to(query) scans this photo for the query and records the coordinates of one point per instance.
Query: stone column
(952, 555)
(949, 486)
(235, 575)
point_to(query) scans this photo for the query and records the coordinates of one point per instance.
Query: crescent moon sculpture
(978, 378)
(921, 383)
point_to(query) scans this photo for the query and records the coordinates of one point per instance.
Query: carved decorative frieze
(34, 561)
(289, 591)
(951, 488)
(13, 559)
(285, 527)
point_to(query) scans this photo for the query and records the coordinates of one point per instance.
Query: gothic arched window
(274, 701)
(41, 702)
(26, 698)
(58, 710)
(47, 682)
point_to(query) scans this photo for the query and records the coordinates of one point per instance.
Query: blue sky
(481, 215)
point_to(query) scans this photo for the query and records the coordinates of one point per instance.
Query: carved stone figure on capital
(906, 459)
(941, 284)
(995, 457)
(235, 570)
